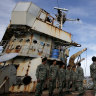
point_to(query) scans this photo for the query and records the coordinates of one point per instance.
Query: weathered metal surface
(9, 72)
(22, 88)
(51, 30)
(26, 67)
(25, 13)
(34, 36)
(74, 56)
(32, 45)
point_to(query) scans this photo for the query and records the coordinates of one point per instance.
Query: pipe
(6, 78)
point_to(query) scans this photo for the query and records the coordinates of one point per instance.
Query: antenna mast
(61, 16)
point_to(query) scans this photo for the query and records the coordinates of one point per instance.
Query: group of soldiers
(70, 79)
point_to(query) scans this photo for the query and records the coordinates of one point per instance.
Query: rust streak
(34, 86)
(31, 39)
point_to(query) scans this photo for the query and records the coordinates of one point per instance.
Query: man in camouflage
(41, 75)
(53, 73)
(68, 78)
(93, 72)
(62, 79)
(80, 77)
(74, 78)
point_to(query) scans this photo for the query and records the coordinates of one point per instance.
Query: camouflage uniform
(80, 77)
(41, 75)
(61, 77)
(68, 79)
(47, 81)
(93, 74)
(74, 80)
(53, 73)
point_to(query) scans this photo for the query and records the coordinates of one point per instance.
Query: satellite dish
(8, 56)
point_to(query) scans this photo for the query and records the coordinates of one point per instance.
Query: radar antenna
(61, 16)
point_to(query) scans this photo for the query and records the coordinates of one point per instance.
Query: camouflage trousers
(67, 85)
(73, 85)
(39, 88)
(61, 86)
(80, 86)
(52, 86)
(94, 84)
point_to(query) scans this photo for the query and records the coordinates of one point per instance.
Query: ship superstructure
(30, 36)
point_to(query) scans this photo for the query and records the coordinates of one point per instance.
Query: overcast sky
(83, 32)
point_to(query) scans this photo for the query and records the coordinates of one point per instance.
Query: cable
(57, 3)
(86, 62)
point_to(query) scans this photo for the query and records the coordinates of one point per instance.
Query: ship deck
(45, 93)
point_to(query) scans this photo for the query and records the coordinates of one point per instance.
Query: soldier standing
(80, 77)
(53, 73)
(68, 78)
(93, 72)
(62, 79)
(41, 75)
(73, 78)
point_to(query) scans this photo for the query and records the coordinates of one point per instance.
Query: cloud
(82, 32)
(86, 64)
(6, 8)
(2, 31)
(5, 14)
(78, 11)
(90, 46)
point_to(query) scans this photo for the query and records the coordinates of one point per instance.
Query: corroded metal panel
(27, 67)
(32, 68)
(21, 88)
(51, 31)
(23, 67)
(33, 45)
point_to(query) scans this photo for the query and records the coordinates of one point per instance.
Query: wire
(86, 60)
(57, 3)
(86, 63)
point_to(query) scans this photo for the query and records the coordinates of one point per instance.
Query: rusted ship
(31, 35)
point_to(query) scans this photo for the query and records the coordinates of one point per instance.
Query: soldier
(68, 78)
(41, 75)
(73, 78)
(93, 72)
(62, 79)
(53, 73)
(80, 77)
